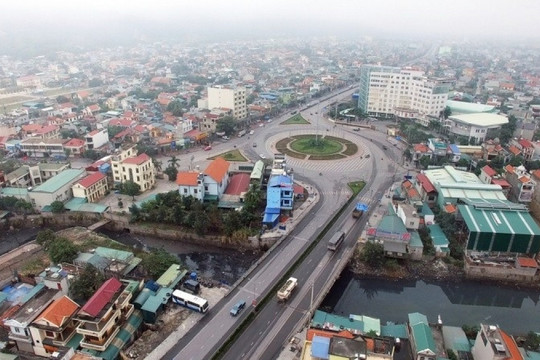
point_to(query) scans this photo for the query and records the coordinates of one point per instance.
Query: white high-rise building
(401, 92)
(220, 96)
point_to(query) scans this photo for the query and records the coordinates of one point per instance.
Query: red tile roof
(238, 184)
(121, 122)
(298, 189)
(187, 178)
(502, 182)
(327, 334)
(514, 150)
(74, 143)
(489, 171)
(450, 208)
(217, 169)
(509, 168)
(421, 148)
(527, 262)
(511, 346)
(137, 160)
(536, 173)
(60, 310)
(525, 143)
(426, 184)
(47, 129)
(101, 297)
(91, 179)
(95, 132)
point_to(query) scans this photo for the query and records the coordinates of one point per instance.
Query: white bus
(336, 240)
(190, 301)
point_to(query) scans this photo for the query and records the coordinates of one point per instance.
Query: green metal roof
(334, 322)
(133, 263)
(423, 337)
(437, 235)
(529, 355)
(368, 323)
(120, 255)
(454, 337)
(124, 336)
(13, 191)
(56, 182)
(258, 169)
(498, 221)
(171, 276)
(415, 241)
(154, 302)
(132, 285)
(394, 330)
(417, 318)
(391, 224)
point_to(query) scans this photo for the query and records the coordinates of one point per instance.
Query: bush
(62, 250)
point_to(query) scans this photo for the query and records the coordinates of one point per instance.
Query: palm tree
(157, 164)
(173, 161)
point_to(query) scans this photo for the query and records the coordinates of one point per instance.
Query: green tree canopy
(45, 237)
(171, 172)
(62, 250)
(88, 282)
(226, 124)
(158, 261)
(57, 207)
(373, 254)
(130, 188)
(176, 107)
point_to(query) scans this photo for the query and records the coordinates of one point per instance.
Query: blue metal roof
(320, 346)
(454, 148)
(273, 198)
(280, 180)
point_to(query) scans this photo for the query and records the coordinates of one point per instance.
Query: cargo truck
(359, 210)
(284, 293)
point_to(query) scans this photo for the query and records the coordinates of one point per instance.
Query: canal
(458, 303)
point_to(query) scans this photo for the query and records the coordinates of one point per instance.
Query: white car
(262, 156)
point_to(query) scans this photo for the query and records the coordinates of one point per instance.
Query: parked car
(384, 147)
(208, 148)
(356, 129)
(251, 132)
(237, 308)
(262, 156)
(254, 144)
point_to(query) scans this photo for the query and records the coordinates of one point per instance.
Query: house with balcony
(19, 322)
(92, 187)
(428, 193)
(526, 148)
(521, 182)
(96, 139)
(279, 198)
(128, 167)
(101, 318)
(437, 146)
(421, 150)
(55, 327)
(492, 343)
(38, 147)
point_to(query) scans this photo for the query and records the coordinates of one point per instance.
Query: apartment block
(128, 167)
(229, 98)
(389, 92)
(92, 188)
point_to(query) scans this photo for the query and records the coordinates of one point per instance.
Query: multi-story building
(101, 318)
(93, 187)
(54, 327)
(220, 96)
(96, 139)
(38, 147)
(389, 92)
(139, 169)
(522, 185)
(494, 344)
(474, 126)
(57, 188)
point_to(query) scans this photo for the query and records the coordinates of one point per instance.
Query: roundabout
(316, 147)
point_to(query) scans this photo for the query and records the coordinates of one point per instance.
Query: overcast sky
(54, 20)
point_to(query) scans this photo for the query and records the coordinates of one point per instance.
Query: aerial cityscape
(269, 180)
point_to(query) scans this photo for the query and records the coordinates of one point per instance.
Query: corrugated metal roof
(258, 169)
(437, 235)
(171, 276)
(119, 255)
(423, 338)
(498, 221)
(394, 330)
(56, 182)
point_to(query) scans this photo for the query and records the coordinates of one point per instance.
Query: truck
(241, 133)
(359, 210)
(284, 293)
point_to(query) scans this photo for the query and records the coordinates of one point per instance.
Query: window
(195, 191)
(185, 191)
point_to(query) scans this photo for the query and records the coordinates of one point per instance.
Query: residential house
(492, 343)
(408, 214)
(487, 174)
(279, 198)
(27, 176)
(428, 193)
(103, 314)
(92, 187)
(437, 146)
(128, 167)
(54, 327)
(96, 139)
(453, 153)
(57, 188)
(191, 184)
(492, 149)
(422, 342)
(421, 150)
(522, 185)
(216, 179)
(526, 148)
(19, 322)
(74, 147)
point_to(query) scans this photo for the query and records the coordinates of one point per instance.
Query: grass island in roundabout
(316, 147)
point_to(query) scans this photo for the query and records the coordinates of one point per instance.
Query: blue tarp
(320, 346)
(361, 207)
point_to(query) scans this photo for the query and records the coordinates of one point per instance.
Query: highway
(275, 321)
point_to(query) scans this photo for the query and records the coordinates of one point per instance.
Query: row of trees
(203, 218)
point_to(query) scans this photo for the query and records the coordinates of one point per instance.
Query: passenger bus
(336, 240)
(190, 301)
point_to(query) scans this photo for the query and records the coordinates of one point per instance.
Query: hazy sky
(54, 20)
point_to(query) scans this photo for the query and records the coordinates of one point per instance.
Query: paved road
(267, 334)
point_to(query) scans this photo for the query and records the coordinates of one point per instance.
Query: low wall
(120, 223)
(498, 272)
